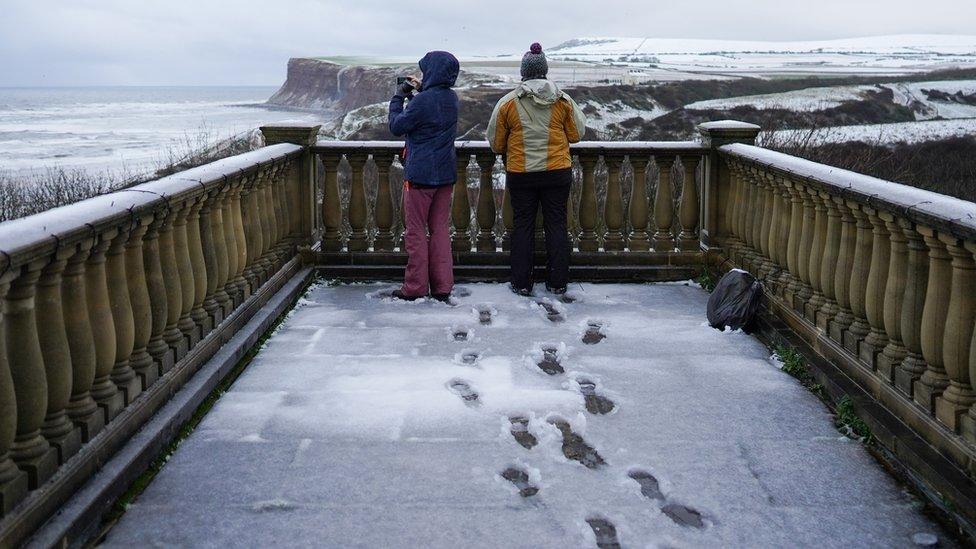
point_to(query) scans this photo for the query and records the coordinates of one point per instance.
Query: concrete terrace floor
(366, 422)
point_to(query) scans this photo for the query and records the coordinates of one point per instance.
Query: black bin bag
(734, 301)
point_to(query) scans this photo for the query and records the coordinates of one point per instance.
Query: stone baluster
(106, 394)
(53, 338)
(508, 219)
(639, 240)
(229, 286)
(13, 481)
(858, 284)
(842, 273)
(757, 259)
(285, 245)
(276, 216)
(967, 421)
(172, 286)
(613, 208)
(688, 210)
(135, 272)
(934, 379)
(780, 238)
(157, 348)
(958, 396)
(82, 409)
(912, 366)
(242, 289)
(588, 240)
(209, 246)
(663, 239)
(384, 203)
(894, 352)
(767, 217)
(123, 375)
(222, 250)
(264, 264)
(815, 257)
(804, 251)
(876, 338)
(331, 204)
(251, 215)
(734, 237)
(184, 265)
(461, 207)
(750, 216)
(486, 214)
(199, 267)
(30, 450)
(357, 204)
(738, 194)
(793, 243)
(828, 263)
(741, 221)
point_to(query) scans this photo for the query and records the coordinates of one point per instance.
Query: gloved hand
(405, 89)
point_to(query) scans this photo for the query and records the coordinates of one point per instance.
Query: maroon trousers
(427, 210)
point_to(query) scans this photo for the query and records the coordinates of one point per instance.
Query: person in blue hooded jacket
(429, 123)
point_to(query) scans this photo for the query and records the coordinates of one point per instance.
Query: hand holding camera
(406, 85)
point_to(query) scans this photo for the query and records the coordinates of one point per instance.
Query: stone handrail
(105, 297)
(885, 273)
(653, 222)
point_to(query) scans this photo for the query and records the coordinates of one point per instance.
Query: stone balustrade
(652, 210)
(880, 276)
(110, 305)
(104, 299)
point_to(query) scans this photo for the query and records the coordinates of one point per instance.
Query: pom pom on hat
(534, 63)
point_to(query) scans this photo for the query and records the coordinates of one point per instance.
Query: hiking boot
(398, 294)
(558, 291)
(524, 292)
(444, 298)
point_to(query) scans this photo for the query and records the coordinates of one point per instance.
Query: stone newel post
(305, 136)
(716, 184)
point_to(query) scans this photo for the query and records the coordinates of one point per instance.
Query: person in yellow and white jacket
(533, 126)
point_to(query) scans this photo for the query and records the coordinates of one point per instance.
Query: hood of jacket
(440, 69)
(542, 91)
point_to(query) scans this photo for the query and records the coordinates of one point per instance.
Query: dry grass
(24, 194)
(946, 166)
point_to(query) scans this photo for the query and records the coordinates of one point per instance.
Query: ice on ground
(351, 428)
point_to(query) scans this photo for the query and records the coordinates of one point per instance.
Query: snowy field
(881, 134)
(916, 95)
(514, 422)
(870, 55)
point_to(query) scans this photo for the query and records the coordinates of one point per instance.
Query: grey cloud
(89, 42)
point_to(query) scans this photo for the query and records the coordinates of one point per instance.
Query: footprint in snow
(605, 532)
(520, 479)
(463, 389)
(520, 431)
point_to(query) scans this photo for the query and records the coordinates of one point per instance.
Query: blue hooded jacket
(430, 122)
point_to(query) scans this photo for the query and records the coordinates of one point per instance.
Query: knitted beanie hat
(534, 63)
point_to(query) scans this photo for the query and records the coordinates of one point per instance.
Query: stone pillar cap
(722, 132)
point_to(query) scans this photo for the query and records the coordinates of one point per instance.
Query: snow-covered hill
(878, 54)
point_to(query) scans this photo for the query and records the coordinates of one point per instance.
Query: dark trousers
(529, 191)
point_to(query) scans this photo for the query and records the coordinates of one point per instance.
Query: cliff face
(320, 85)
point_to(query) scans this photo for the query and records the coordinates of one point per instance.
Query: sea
(126, 130)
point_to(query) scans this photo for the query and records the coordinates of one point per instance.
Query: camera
(404, 79)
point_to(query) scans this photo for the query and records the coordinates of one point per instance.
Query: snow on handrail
(927, 207)
(27, 238)
(677, 147)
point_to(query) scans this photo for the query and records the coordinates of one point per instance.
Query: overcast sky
(241, 42)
